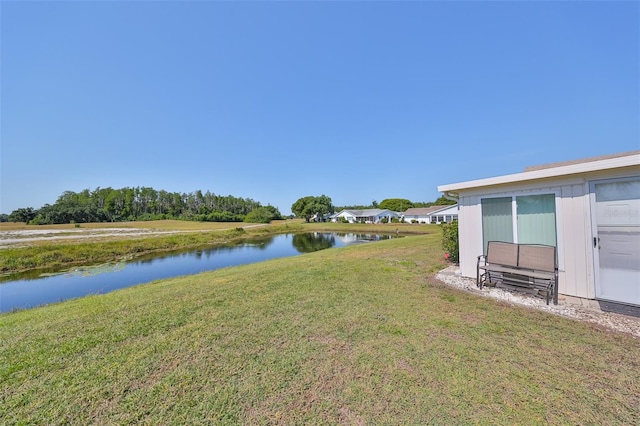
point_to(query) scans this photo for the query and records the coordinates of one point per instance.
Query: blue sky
(274, 101)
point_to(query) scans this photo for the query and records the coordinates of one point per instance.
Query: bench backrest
(529, 256)
(538, 257)
(502, 253)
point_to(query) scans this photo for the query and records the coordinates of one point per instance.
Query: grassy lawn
(55, 253)
(356, 335)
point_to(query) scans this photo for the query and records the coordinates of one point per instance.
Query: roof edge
(583, 160)
(632, 159)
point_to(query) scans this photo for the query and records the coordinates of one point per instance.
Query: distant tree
(374, 204)
(140, 203)
(354, 207)
(260, 215)
(444, 201)
(23, 215)
(4, 217)
(276, 213)
(303, 207)
(396, 204)
(308, 206)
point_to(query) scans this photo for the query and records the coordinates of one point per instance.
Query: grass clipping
(355, 335)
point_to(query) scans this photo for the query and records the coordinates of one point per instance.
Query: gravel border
(13, 238)
(619, 322)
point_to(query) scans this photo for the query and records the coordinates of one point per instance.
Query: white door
(616, 243)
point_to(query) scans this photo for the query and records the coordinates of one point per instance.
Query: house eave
(547, 173)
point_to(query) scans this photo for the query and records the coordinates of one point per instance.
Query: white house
(433, 214)
(320, 218)
(365, 216)
(589, 209)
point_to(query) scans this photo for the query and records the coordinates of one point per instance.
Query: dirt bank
(20, 238)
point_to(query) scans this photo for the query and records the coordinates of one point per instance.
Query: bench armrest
(478, 277)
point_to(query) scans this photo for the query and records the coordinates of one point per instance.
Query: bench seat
(517, 271)
(523, 267)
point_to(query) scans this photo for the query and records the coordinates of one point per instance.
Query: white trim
(514, 219)
(591, 166)
(559, 229)
(589, 221)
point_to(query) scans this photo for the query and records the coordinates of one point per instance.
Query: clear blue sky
(274, 101)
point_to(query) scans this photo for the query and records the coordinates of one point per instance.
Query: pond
(22, 291)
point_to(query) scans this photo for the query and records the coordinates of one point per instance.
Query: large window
(535, 219)
(497, 222)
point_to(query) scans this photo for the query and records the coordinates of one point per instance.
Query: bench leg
(481, 279)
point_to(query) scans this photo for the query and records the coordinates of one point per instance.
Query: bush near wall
(450, 242)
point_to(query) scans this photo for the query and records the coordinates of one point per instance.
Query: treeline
(399, 204)
(143, 203)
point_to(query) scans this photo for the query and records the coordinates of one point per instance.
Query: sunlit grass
(356, 335)
(54, 253)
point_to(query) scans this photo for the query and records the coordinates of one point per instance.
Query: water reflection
(35, 288)
(307, 243)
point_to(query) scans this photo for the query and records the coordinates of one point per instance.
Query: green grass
(356, 335)
(56, 254)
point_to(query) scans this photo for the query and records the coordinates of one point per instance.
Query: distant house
(320, 218)
(365, 216)
(433, 214)
(444, 215)
(588, 209)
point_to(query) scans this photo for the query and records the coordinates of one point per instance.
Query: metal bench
(530, 268)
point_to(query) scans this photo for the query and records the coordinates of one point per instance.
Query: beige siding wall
(575, 254)
(573, 231)
(470, 233)
(573, 220)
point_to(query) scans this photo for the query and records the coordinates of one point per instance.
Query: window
(497, 222)
(535, 219)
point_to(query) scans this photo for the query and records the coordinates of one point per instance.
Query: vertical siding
(573, 216)
(470, 226)
(576, 276)
(568, 257)
(573, 231)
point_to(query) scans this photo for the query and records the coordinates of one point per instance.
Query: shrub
(259, 215)
(218, 216)
(38, 220)
(450, 242)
